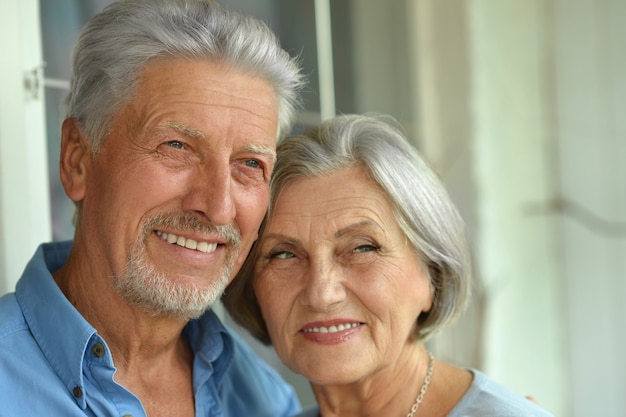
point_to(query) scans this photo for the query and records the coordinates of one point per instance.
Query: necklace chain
(420, 397)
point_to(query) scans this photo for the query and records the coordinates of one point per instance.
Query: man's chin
(181, 314)
(159, 297)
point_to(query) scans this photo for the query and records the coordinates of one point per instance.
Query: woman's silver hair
(114, 46)
(421, 206)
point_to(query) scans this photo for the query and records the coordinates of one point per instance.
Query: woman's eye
(175, 144)
(365, 248)
(281, 255)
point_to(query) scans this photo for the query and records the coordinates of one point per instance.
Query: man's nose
(210, 193)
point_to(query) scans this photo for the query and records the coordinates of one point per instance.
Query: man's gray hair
(115, 45)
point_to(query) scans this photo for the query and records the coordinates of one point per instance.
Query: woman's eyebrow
(357, 226)
(281, 238)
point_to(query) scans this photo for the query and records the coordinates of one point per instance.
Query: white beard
(141, 285)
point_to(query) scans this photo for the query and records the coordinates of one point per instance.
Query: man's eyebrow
(185, 130)
(262, 150)
(195, 133)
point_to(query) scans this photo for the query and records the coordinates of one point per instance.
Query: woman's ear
(434, 278)
(74, 159)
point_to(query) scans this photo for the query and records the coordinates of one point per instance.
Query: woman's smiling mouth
(331, 329)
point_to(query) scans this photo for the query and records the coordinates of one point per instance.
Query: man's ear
(74, 160)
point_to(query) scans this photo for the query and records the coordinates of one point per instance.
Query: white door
(24, 196)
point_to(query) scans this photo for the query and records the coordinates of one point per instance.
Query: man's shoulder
(11, 319)
(23, 365)
(18, 347)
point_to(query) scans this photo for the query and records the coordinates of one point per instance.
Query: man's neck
(135, 336)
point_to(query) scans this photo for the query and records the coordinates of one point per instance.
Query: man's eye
(253, 163)
(175, 144)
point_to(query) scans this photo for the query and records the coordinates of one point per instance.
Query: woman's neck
(390, 391)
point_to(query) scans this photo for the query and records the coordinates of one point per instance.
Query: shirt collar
(59, 329)
(213, 348)
(64, 335)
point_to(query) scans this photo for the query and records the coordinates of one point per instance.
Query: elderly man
(167, 150)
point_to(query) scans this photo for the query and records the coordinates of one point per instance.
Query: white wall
(590, 85)
(24, 196)
(544, 85)
(517, 240)
(484, 98)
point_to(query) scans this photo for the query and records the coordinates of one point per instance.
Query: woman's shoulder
(487, 397)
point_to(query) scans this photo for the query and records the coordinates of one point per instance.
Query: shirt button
(98, 350)
(77, 392)
(127, 415)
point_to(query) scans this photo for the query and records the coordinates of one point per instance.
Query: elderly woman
(360, 259)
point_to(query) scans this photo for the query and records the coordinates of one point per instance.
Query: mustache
(186, 222)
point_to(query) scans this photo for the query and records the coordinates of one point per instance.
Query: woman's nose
(324, 287)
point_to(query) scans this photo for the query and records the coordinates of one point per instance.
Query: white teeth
(187, 243)
(332, 329)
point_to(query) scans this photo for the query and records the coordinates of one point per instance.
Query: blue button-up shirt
(54, 363)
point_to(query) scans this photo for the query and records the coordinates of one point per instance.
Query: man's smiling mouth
(187, 243)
